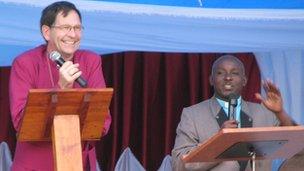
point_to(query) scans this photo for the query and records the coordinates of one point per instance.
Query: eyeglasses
(68, 28)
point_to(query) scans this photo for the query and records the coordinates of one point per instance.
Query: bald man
(203, 120)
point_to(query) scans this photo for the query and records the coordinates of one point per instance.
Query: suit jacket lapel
(246, 116)
(217, 111)
(221, 117)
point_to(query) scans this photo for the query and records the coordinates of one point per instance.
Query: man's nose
(228, 76)
(72, 32)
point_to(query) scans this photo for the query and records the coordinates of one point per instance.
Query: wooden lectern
(243, 143)
(66, 117)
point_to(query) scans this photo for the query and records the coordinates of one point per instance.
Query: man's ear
(244, 81)
(211, 81)
(45, 30)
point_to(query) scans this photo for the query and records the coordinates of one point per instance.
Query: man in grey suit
(203, 120)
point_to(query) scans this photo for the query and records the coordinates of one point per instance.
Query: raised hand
(273, 100)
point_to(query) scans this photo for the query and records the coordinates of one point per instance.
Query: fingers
(258, 96)
(269, 86)
(265, 85)
(70, 71)
(270, 96)
(185, 155)
(230, 124)
(76, 75)
(274, 98)
(272, 91)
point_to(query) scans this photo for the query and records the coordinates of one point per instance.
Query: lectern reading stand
(248, 143)
(65, 117)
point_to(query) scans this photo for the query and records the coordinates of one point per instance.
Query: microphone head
(54, 56)
(233, 99)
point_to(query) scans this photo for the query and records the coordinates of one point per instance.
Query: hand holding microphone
(232, 105)
(232, 122)
(68, 72)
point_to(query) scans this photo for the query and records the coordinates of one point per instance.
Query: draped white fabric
(274, 35)
(124, 27)
(166, 164)
(128, 162)
(286, 69)
(5, 157)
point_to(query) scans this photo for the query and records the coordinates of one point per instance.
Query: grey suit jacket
(198, 123)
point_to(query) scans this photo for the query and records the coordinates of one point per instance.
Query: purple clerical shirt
(32, 70)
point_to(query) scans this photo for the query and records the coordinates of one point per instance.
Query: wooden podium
(242, 143)
(66, 117)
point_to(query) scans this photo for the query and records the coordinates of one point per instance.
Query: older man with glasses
(61, 27)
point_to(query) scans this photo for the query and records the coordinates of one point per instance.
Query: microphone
(56, 57)
(231, 106)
